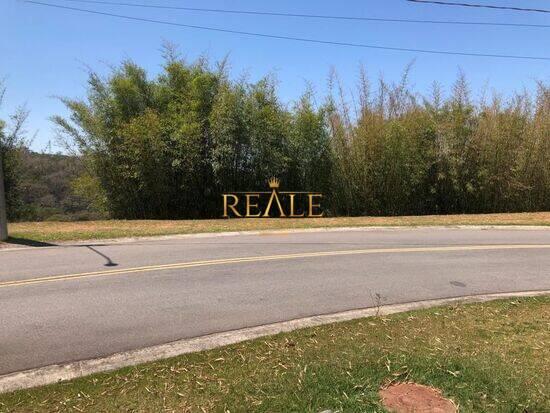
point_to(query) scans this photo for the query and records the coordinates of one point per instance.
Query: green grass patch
(492, 357)
(68, 231)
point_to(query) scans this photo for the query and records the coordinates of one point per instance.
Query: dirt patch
(415, 398)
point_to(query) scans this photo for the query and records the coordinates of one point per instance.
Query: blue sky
(44, 51)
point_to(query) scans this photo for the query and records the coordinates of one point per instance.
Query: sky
(45, 52)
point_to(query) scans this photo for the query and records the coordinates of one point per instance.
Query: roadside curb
(60, 372)
(129, 240)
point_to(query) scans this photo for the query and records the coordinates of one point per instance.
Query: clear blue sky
(44, 51)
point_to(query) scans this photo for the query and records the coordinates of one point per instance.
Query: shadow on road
(38, 244)
(109, 263)
(29, 242)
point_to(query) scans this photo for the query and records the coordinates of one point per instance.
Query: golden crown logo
(273, 183)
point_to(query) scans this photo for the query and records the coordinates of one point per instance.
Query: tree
(12, 142)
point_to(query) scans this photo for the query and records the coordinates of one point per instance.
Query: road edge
(61, 372)
(129, 240)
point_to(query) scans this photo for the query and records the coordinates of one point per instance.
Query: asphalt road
(75, 302)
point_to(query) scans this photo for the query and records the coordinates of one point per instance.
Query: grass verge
(491, 357)
(69, 231)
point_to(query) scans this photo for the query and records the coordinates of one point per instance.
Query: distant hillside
(46, 188)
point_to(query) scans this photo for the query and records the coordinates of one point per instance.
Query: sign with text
(272, 204)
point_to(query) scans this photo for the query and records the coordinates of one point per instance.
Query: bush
(167, 147)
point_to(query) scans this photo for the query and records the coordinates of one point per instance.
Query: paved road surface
(77, 302)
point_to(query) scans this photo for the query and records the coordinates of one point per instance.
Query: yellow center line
(260, 258)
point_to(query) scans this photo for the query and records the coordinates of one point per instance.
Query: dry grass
(492, 357)
(67, 231)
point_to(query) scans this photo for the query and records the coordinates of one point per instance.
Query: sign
(272, 204)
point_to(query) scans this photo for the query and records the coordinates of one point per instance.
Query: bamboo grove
(168, 147)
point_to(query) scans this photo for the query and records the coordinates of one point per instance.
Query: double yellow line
(192, 264)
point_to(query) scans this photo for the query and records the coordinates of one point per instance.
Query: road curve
(83, 301)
